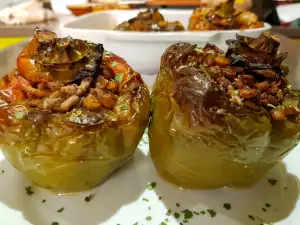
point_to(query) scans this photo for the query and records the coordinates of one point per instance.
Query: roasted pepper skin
(195, 145)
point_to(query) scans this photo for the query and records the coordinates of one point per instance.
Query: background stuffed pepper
(71, 113)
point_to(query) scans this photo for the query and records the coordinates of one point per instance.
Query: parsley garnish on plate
(185, 221)
(145, 199)
(61, 210)
(89, 198)
(187, 214)
(169, 213)
(268, 205)
(55, 223)
(29, 190)
(251, 217)
(44, 200)
(136, 223)
(148, 218)
(211, 212)
(202, 212)
(163, 223)
(264, 209)
(196, 213)
(177, 204)
(151, 186)
(272, 181)
(227, 206)
(2, 171)
(176, 215)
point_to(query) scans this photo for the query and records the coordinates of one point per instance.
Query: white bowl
(143, 50)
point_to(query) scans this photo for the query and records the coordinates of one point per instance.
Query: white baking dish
(143, 50)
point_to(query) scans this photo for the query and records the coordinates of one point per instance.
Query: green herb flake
(211, 212)
(19, 115)
(181, 223)
(176, 215)
(268, 205)
(169, 213)
(264, 209)
(61, 209)
(187, 214)
(114, 64)
(55, 223)
(136, 223)
(119, 77)
(149, 207)
(177, 204)
(202, 212)
(148, 218)
(2, 171)
(272, 181)
(185, 221)
(196, 213)
(29, 190)
(167, 220)
(227, 206)
(44, 200)
(236, 92)
(151, 186)
(125, 107)
(89, 198)
(163, 223)
(283, 188)
(145, 199)
(251, 217)
(160, 198)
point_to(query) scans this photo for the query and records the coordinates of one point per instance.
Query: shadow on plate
(264, 202)
(107, 199)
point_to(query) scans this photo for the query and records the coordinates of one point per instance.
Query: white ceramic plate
(124, 199)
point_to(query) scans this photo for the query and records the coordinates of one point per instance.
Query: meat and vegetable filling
(150, 20)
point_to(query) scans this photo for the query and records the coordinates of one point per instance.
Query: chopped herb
(149, 207)
(145, 199)
(163, 223)
(268, 205)
(169, 213)
(285, 188)
(159, 198)
(264, 209)
(202, 212)
(148, 218)
(211, 212)
(125, 107)
(29, 190)
(61, 210)
(185, 221)
(119, 77)
(19, 115)
(167, 220)
(251, 217)
(177, 204)
(55, 223)
(227, 206)
(151, 186)
(196, 213)
(236, 92)
(181, 223)
(136, 223)
(2, 171)
(187, 214)
(272, 181)
(176, 215)
(89, 198)
(44, 200)
(114, 64)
